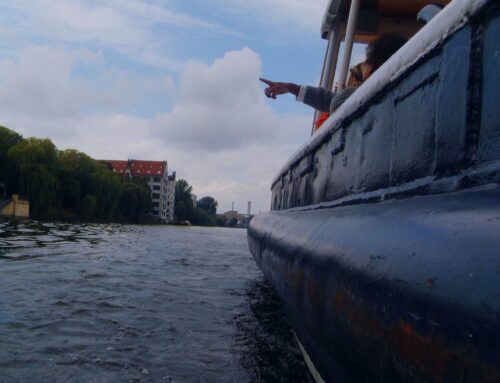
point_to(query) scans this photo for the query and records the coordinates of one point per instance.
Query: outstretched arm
(276, 88)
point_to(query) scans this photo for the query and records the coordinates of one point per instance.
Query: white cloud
(111, 21)
(38, 83)
(61, 77)
(220, 106)
(42, 83)
(57, 80)
(126, 27)
(221, 135)
(292, 15)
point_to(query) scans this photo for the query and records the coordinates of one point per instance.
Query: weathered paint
(489, 136)
(403, 290)
(434, 122)
(384, 243)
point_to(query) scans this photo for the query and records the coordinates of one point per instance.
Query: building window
(156, 179)
(156, 187)
(156, 204)
(156, 196)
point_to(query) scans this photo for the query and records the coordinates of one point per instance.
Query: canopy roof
(377, 17)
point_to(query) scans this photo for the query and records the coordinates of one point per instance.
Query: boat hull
(402, 290)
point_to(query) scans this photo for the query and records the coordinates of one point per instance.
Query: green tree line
(203, 214)
(68, 184)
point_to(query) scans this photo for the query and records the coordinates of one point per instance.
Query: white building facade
(161, 184)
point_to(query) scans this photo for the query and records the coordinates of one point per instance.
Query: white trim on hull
(314, 372)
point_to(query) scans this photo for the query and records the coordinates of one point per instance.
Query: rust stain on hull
(431, 355)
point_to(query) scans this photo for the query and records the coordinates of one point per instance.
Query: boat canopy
(360, 21)
(376, 17)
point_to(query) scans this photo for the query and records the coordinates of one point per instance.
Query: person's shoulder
(340, 97)
(346, 92)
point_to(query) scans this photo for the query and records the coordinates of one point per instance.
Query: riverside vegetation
(203, 214)
(69, 185)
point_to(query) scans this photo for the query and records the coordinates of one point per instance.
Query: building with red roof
(161, 184)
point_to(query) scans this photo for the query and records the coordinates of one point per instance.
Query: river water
(112, 303)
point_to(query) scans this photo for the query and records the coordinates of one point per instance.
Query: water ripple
(107, 303)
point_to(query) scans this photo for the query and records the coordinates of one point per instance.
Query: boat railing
(450, 19)
(335, 29)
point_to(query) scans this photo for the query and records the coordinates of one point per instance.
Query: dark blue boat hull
(404, 290)
(384, 242)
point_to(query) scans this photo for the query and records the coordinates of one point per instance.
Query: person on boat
(378, 51)
(356, 77)
(354, 80)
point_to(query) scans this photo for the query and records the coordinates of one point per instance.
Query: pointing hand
(276, 88)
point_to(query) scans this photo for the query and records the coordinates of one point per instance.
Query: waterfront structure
(14, 207)
(161, 184)
(233, 215)
(383, 238)
(238, 219)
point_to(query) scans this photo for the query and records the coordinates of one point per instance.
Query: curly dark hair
(381, 49)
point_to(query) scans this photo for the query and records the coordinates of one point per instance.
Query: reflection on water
(23, 234)
(109, 303)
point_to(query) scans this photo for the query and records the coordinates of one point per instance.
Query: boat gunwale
(488, 172)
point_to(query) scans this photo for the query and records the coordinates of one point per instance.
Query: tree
(69, 184)
(34, 160)
(208, 204)
(8, 138)
(87, 208)
(73, 171)
(135, 200)
(220, 220)
(184, 209)
(106, 186)
(183, 190)
(86, 183)
(202, 218)
(203, 214)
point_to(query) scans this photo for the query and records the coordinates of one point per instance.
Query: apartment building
(161, 184)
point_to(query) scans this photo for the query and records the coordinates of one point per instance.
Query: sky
(173, 80)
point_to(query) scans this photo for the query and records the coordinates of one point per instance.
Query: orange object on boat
(322, 118)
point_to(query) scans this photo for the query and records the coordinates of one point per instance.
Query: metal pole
(327, 62)
(331, 58)
(329, 65)
(349, 40)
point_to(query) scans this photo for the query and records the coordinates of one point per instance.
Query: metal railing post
(349, 40)
(330, 63)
